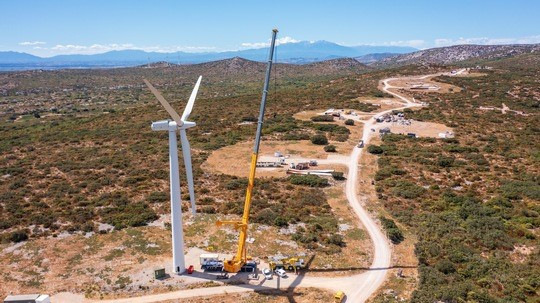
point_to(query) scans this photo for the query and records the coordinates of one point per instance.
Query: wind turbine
(178, 124)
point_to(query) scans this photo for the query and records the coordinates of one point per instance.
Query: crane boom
(236, 263)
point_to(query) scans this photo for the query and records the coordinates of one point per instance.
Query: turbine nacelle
(168, 125)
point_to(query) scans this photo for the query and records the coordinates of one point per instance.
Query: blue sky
(54, 27)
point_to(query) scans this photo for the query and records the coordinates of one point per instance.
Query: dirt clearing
(423, 85)
(421, 129)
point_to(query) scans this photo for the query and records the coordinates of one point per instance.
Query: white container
(204, 258)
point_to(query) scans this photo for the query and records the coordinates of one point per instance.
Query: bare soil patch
(421, 129)
(408, 84)
(235, 159)
(300, 295)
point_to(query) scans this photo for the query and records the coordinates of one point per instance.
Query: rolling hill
(458, 53)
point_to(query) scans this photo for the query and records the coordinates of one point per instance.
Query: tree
(349, 122)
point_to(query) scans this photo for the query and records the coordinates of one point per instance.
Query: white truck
(33, 298)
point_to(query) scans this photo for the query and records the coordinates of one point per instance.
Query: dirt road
(358, 288)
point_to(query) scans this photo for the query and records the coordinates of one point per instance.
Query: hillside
(77, 156)
(458, 53)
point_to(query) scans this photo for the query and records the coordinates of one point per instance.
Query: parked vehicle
(339, 296)
(281, 272)
(212, 265)
(302, 166)
(361, 144)
(267, 273)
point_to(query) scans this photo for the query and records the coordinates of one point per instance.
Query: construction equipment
(237, 263)
(291, 263)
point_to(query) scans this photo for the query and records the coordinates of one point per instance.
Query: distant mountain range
(299, 52)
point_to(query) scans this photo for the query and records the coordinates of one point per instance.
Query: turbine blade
(165, 104)
(186, 151)
(191, 100)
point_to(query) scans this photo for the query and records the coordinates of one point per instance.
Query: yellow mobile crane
(240, 259)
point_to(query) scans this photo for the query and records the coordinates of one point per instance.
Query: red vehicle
(190, 269)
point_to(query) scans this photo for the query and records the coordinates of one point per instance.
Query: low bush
(392, 230)
(330, 148)
(157, 197)
(18, 236)
(375, 149)
(337, 175)
(236, 184)
(444, 161)
(349, 122)
(319, 139)
(322, 118)
(408, 190)
(308, 180)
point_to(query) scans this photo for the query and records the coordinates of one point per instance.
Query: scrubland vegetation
(473, 201)
(93, 159)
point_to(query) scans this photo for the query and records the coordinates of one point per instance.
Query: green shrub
(392, 230)
(330, 148)
(408, 190)
(374, 149)
(446, 267)
(309, 180)
(349, 122)
(18, 236)
(319, 139)
(265, 216)
(280, 221)
(337, 175)
(444, 161)
(157, 197)
(517, 189)
(236, 184)
(208, 209)
(322, 118)
(124, 215)
(336, 239)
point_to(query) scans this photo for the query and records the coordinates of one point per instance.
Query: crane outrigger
(235, 264)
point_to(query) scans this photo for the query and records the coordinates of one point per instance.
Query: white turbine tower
(178, 124)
